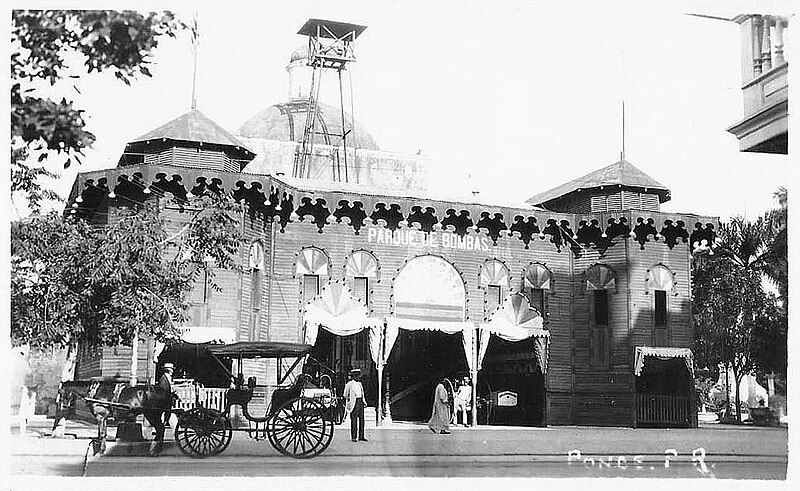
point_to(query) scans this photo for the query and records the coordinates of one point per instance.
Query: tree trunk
(738, 379)
(70, 362)
(67, 374)
(727, 390)
(134, 359)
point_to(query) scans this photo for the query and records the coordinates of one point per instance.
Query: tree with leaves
(44, 47)
(73, 284)
(732, 312)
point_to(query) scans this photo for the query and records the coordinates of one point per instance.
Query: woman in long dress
(440, 419)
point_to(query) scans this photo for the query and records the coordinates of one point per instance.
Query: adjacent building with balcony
(765, 90)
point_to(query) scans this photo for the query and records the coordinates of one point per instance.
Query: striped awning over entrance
(429, 294)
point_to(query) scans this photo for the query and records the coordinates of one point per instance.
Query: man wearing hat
(165, 382)
(354, 405)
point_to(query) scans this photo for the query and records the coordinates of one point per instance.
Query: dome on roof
(285, 122)
(301, 53)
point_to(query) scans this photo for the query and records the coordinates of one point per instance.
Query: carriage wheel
(202, 433)
(300, 429)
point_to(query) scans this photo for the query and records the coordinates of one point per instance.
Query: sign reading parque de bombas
(433, 240)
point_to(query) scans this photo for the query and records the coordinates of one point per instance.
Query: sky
(508, 97)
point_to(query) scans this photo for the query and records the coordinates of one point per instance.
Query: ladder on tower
(330, 46)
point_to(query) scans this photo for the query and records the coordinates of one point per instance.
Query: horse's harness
(114, 402)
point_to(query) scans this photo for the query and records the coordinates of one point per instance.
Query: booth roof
(259, 349)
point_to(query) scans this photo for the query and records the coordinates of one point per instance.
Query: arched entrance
(429, 310)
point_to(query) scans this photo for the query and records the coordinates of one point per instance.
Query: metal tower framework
(330, 47)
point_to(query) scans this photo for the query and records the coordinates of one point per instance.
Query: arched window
(660, 280)
(494, 279)
(536, 282)
(600, 279)
(256, 263)
(361, 268)
(312, 263)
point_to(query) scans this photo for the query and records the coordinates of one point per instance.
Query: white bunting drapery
(336, 311)
(662, 354)
(516, 320)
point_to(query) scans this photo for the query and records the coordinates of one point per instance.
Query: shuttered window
(600, 308)
(255, 304)
(660, 308)
(361, 289)
(599, 332)
(310, 287)
(493, 298)
(536, 299)
(599, 204)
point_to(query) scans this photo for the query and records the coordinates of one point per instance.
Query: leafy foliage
(72, 283)
(25, 179)
(42, 42)
(736, 321)
(50, 283)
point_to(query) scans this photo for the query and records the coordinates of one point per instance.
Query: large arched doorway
(429, 308)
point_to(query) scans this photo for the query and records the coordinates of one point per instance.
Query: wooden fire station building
(573, 310)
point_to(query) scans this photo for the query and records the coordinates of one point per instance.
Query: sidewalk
(402, 438)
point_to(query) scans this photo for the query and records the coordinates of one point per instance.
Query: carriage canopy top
(259, 349)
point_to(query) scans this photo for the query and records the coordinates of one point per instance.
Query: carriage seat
(241, 394)
(283, 395)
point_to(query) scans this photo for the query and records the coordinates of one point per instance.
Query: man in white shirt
(354, 405)
(463, 399)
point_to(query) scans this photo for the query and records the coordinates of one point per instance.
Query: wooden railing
(189, 395)
(660, 410)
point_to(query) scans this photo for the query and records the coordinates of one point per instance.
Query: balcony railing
(661, 410)
(765, 90)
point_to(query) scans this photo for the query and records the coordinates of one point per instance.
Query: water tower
(330, 47)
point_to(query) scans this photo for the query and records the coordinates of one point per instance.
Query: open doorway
(334, 356)
(664, 394)
(512, 384)
(419, 360)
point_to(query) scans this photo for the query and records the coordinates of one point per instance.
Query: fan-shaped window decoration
(494, 272)
(660, 278)
(312, 261)
(361, 264)
(600, 277)
(538, 277)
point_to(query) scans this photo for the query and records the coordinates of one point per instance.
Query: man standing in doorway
(354, 405)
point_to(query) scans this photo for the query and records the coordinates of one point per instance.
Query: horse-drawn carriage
(298, 420)
(298, 417)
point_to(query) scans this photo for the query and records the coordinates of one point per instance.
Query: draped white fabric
(375, 345)
(388, 342)
(516, 320)
(662, 354)
(483, 345)
(541, 348)
(468, 338)
(450, 327)
(336, 311)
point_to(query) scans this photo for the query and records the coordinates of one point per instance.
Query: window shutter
(600, 308)
(493, 298)
(310, 287)
(361, 289)
(660, 308)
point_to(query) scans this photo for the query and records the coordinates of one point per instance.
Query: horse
(124, 403)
